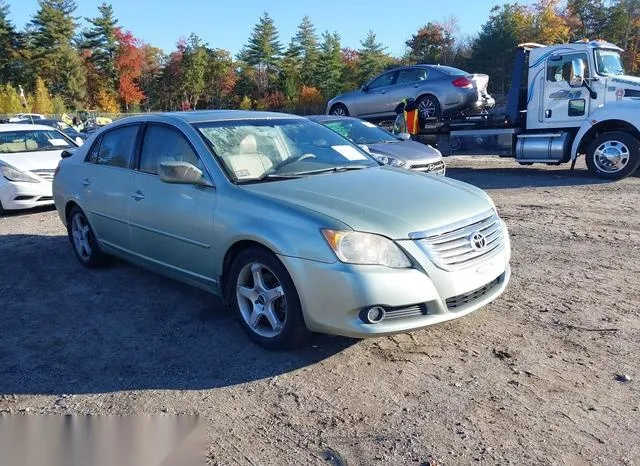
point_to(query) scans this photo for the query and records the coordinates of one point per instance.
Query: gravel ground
(534, 378)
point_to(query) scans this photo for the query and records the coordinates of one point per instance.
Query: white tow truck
(565, 101)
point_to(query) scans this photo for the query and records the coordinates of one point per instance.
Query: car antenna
(25, 104)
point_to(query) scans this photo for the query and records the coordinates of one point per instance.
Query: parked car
(25, 116)
(28, 157)
(71, 132)
(385, 147)
(294, 225)
(438, 90)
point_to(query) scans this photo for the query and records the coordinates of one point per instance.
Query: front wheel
(265, 300)
(613, 155)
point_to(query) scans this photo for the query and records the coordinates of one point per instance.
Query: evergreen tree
(290, 66)
(330, 67)
(8, 45)
(263, 53)
(195, 61)
(306, 44)
(42, 102)
(373, 58)
(102, 44)
(57, 62)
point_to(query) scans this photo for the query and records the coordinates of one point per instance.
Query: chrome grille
(428, 167)
(451, 247)
(467, 298)
(44, 174)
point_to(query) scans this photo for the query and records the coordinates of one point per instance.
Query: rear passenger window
(117, 147)
(94, 151)
(165, 144)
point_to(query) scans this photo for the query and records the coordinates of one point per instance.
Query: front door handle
(138, 196)
(86, 182)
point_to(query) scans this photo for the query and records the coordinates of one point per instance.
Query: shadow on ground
(511, 177)
(66, 329)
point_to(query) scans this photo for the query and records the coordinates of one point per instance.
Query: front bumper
(16, 195)
(333, 296)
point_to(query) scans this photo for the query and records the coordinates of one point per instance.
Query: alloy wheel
(427, 108)
(80, 233)
(261, 300)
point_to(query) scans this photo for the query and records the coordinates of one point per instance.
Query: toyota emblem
(477, 241)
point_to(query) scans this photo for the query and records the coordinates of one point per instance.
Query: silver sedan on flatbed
(296, 227)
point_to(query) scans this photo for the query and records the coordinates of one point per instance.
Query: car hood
(383, 200)
(27, 161)
(406, 150)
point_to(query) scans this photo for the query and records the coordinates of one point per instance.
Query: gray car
(384, 146)
(438, 90)
(293, 225)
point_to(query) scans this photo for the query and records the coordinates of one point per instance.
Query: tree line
(104, 67)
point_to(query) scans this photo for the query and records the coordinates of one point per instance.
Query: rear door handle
(138, 196)
(86, 182)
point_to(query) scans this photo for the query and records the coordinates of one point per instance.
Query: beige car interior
(247, 161)
(19, 145)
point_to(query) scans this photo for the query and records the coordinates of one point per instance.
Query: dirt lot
(532, 378)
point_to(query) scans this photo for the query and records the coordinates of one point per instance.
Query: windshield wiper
(272, 177)
(339, 168)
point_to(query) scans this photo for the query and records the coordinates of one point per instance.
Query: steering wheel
(294, 160)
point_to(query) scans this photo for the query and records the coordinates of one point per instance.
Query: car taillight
(462, 82)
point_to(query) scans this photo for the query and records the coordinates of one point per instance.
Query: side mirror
(365, 148)
(65, 154)
(79, 140)
(404, 136)
(181, 173)
(577, 72)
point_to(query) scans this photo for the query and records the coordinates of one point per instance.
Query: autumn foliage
(129, 62)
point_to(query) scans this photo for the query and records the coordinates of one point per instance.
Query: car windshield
(32, 141)
(609, 62)
(273, 149)
(361, 132)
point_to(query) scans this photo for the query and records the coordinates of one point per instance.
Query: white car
(26, 116)
(29, 156)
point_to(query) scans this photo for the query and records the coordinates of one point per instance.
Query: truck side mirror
(577, 73)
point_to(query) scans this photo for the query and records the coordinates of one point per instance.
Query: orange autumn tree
(129, 64)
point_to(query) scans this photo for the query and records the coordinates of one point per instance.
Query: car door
(564, 103)
(407, 85)
(105, 185)
(374, 101)
(172, 224)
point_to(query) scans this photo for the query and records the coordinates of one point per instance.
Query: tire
(339, 110)
(428, 107)
(613, 155)
(251, 301)
(83, 240)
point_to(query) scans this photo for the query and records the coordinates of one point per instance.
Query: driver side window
(382, 81)
(162, 143)
(562, 70)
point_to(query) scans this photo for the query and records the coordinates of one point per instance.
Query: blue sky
(227, 24)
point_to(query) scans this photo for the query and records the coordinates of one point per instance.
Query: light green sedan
(294, 226)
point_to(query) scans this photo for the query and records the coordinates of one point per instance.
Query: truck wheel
(613, 155)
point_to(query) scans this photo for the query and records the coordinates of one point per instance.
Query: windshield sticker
(349, 152)
(58, 142)
(370, 125)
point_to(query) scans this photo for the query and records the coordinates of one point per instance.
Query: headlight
(354, 247)
(390, 161)
(13, 174)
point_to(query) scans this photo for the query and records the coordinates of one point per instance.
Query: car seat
(247, 162)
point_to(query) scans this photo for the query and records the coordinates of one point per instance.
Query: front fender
(628, 114)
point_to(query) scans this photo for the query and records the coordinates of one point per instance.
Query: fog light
(373, 315)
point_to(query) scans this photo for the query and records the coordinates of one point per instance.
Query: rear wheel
(429, 107)
(265, 300)
(84, 241)
(613, 155)
(339, 110)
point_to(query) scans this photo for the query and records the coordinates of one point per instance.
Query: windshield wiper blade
(273, 177)
(339, 168)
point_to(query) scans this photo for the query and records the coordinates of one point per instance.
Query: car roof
(201, 116)
(6, 127)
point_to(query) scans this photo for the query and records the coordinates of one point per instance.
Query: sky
(228, 24)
